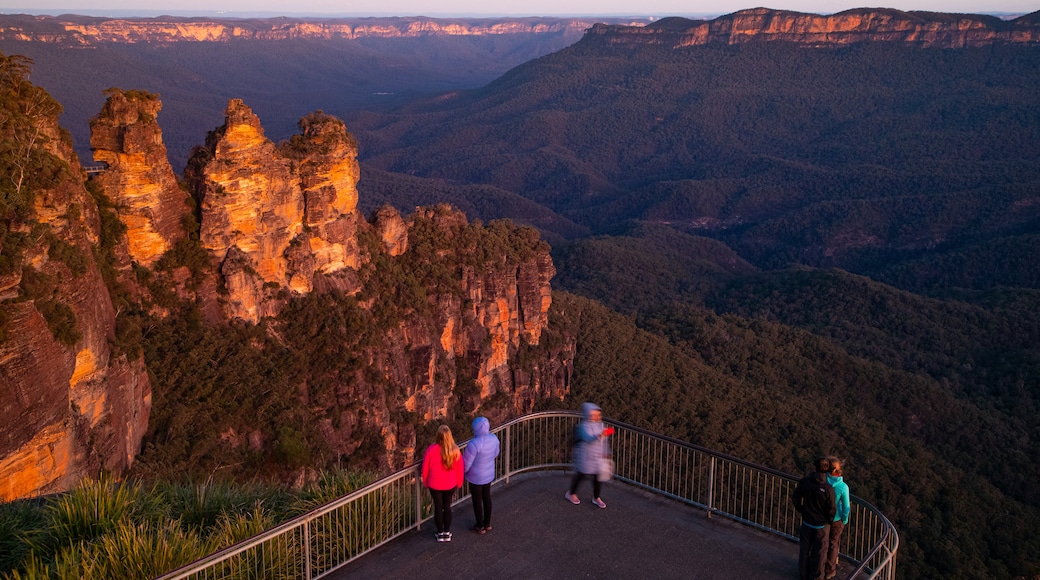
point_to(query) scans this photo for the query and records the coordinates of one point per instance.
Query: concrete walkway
(539, 534)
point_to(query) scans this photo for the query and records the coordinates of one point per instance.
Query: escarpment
(71, 404)
(87, 31)
(923, 29)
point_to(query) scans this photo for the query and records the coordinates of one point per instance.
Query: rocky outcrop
(69, 405)
(126, 137)
(251, 210)
(392, 230)
(325, 156)
(925, 29)
(462, 348)
(448, 316)
(85, 31)
(275, 218)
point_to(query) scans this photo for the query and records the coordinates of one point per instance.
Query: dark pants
(481, 504)
(442, 508)
(833, 547)
(812, 552)
(580, 476)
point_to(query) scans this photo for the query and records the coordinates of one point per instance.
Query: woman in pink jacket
(442, 472)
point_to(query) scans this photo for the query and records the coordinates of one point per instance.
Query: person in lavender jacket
(591, 449)
(479, 459)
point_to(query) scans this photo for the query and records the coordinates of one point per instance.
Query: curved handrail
(314, 544)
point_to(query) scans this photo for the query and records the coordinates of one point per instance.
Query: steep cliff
(85, 31)
(274, 218)
(69, 404)
(126, 137)
(924, 29)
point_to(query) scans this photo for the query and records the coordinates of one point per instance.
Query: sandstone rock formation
(281, 221)
(275, 218)
(392, 230)
(139, 180)
(858, 25)
(69, 405)
(85, 31)
(451, 313)
(463, 351)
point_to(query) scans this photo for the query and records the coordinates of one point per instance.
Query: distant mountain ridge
(88, 30)
(928, 29)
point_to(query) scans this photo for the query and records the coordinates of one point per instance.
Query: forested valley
(791, 251)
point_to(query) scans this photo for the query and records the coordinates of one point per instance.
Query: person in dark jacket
(479, 458)
(814, 499)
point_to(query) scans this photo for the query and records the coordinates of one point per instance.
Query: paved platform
(539, 534)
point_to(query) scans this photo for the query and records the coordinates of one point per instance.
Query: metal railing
(325, 539)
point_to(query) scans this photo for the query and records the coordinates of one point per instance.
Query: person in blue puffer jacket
(841, 517)
(479, 459)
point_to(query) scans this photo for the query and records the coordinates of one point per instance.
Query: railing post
(711, 486)
(508, 463)
(307, 549)
(418, 500)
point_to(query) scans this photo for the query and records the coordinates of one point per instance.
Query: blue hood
(479, 456)
(481, 427)
(588, 408)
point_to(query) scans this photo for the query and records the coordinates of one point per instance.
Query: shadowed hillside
(857, 156)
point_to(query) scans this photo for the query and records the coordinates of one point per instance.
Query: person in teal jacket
(841, 517)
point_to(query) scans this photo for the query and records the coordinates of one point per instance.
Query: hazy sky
(501, 7)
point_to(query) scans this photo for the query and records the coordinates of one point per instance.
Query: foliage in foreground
(131, 530)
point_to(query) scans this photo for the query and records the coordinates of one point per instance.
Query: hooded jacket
(814, 499)
(589, 448)
(480, 453)
(841, 498)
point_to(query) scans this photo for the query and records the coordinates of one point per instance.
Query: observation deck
(539, 534)
(656, 522)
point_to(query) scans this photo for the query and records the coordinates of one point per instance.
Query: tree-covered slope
(779, 396)
(857, 156)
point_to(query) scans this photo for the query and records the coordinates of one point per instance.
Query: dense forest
(841, 243)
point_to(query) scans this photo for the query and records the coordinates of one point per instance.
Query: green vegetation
(250, 400)
(779, 396)
(826, 250)
(104, 529)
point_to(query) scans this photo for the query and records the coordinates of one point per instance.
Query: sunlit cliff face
(765, 25)
(159, 31)
(70, 404)
(140, 181)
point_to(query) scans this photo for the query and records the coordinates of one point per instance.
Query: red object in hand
(608, 431)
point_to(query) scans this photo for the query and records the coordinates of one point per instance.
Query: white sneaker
(572, 498)
(599, 503)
